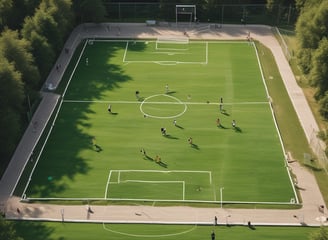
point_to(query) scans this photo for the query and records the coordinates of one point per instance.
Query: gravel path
(310, 214)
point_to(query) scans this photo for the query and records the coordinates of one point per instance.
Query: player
(218, 123)
(87, 61)
(174, 122)
(233, 123)
(167, 88)
(163, 131)
(190, 140)
(143, 151)
(221, 104)
(213, 235)
(109, 109)
(158, 159)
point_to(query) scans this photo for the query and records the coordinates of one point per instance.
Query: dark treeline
(32, 34)
(312, 54)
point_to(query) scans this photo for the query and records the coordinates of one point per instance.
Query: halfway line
(179, 103)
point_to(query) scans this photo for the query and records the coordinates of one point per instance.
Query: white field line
(173, 49)
(53, 122)
(206, 53)
(149, 235)
(276, 124)
(107, 185)
(125, 51)
(188, 103)
(159, 171)
(165, 62)
(190, 42)
(154, 181)
(168, 49)
(75, 67)
(159, 200)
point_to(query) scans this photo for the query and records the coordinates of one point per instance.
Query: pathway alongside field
(309, 214)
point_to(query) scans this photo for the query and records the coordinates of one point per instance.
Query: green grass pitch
(182, 82)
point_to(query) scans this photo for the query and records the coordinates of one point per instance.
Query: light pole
(221, 190)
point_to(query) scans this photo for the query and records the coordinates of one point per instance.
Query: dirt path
(309, 214)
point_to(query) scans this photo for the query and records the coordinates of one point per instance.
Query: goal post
(185, 13)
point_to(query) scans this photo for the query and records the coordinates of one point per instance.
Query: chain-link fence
(213, 13)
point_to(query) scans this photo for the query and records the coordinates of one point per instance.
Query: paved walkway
(309, 214)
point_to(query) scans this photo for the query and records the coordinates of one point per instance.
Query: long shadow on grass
(30, 230)
(61, 160)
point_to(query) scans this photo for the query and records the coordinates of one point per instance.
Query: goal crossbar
(182, 9)
(173, 39)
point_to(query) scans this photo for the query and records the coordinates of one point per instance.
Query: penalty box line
(151, 171)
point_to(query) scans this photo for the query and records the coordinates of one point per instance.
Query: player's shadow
(114, 113)
(222, 126)
(195, 146)
(299, 188)
(98, 148)
(178, 126)
(170, 92)
(224, 112)
(238, 129)
(170, 136)
(148, 158)
(252, 227)
(162, 164)
(140, 99)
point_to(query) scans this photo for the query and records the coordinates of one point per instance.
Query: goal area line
(173, 52)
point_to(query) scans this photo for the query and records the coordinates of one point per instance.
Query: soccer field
(194, 90)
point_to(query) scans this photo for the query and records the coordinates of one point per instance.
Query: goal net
(172, 43)
(185, 14)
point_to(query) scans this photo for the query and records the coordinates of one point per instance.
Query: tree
(11, 100)
(56, 19)
(46, 30)
(321, 234)
(41, 49)
(90, 10)
(19, 10)
(7, 230)
(18, 52)
(5, 7)
(278, 6)
(271, 3)
(319, 71)
(311, 27)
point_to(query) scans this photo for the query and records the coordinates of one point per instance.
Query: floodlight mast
(177, 12)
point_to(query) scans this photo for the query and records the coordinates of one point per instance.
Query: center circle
(173, 107)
